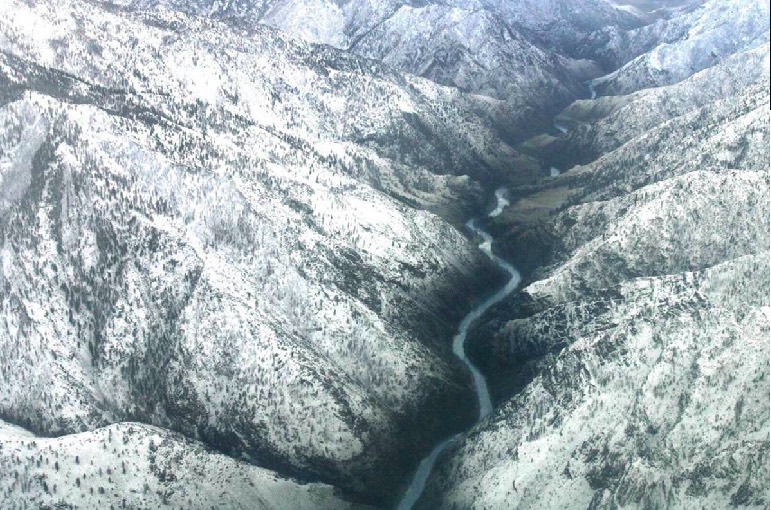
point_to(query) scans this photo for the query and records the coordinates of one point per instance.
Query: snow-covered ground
(418, 482)
(131, 465)
(520, 52)
(213, 227)
(224, 232)
(612, 121)
(640, 345)
(672, 49)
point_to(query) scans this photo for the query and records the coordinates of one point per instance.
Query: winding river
(592, 92)
(420, 477)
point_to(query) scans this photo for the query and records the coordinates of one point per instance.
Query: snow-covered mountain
(131, 465)
(343, 23)
(600, 126)
(521, 54)
(476, 51)
(632, 368)
(557, 24)
(672, 49)
(232, 259)
(222, 232)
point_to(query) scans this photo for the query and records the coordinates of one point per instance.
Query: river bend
(425, 467)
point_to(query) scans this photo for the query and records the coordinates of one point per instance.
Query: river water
(420, 477)
(592, 92)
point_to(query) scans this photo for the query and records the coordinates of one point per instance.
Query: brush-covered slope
(131, 465)
(673, 49)
(632, 368)
(557, 24)
(339, 104)
(660, 401)
(602, 125)
(338, 23)
(518, 53)
(476, 51)
(342, 23)
(212, 231)
(560, 229)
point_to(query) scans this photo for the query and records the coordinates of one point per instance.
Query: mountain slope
(520, 53)
(659, 401)
(213, 233)
(137, 466)
(597, 127)
(632, 368)
(557, 24)
(238, 253)
(475, 51)
(671, 50)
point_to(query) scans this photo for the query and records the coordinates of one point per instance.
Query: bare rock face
(632, 368)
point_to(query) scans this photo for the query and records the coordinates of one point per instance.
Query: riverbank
(417, 484)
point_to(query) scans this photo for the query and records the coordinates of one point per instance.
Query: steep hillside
(476, 51)
(600, 126)
(343, 106)
(659, 401)
(232, 258)
(673, 49)
(137, 466)
(714, 121)
(222, 233)
(563, 230)
(520, 53)
(555, 23)
(632, 368)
